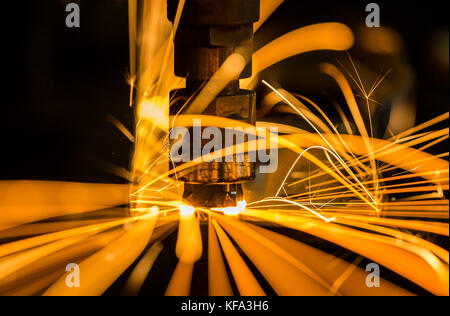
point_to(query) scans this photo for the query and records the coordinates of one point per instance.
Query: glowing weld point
(154, 109)
(186, 210)
(154, 210)
(233, 211)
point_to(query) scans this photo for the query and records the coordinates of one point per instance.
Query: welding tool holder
(209, 32)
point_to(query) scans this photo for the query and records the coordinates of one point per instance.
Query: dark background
(59, 85)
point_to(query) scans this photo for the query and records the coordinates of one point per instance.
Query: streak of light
(281, 142)
(30, 201)
(422, 126)
(413, 189)
(113, 260)
(412, 262)
(180, 283)
(219, 283)
(344, 276)
(330, 268)
(389, 156)
(276, 199)
(421, 243)
(35, 229)
(330, 147)
(12, 264)
(189, 246)
(333, 72)
(121, 128)
(285, 273)
(132, 28)
(32, 279)
(425, 226)
(324, 36)
(244, 278)
(20, 245)
(268, 7)
(137, 277)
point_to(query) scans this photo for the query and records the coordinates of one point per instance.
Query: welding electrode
(209, 32)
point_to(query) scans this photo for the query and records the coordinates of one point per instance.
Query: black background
(59, 85)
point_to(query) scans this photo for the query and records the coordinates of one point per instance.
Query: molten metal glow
(232, 211)
(186, 210)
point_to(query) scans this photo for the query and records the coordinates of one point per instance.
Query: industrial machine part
(209, 32)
